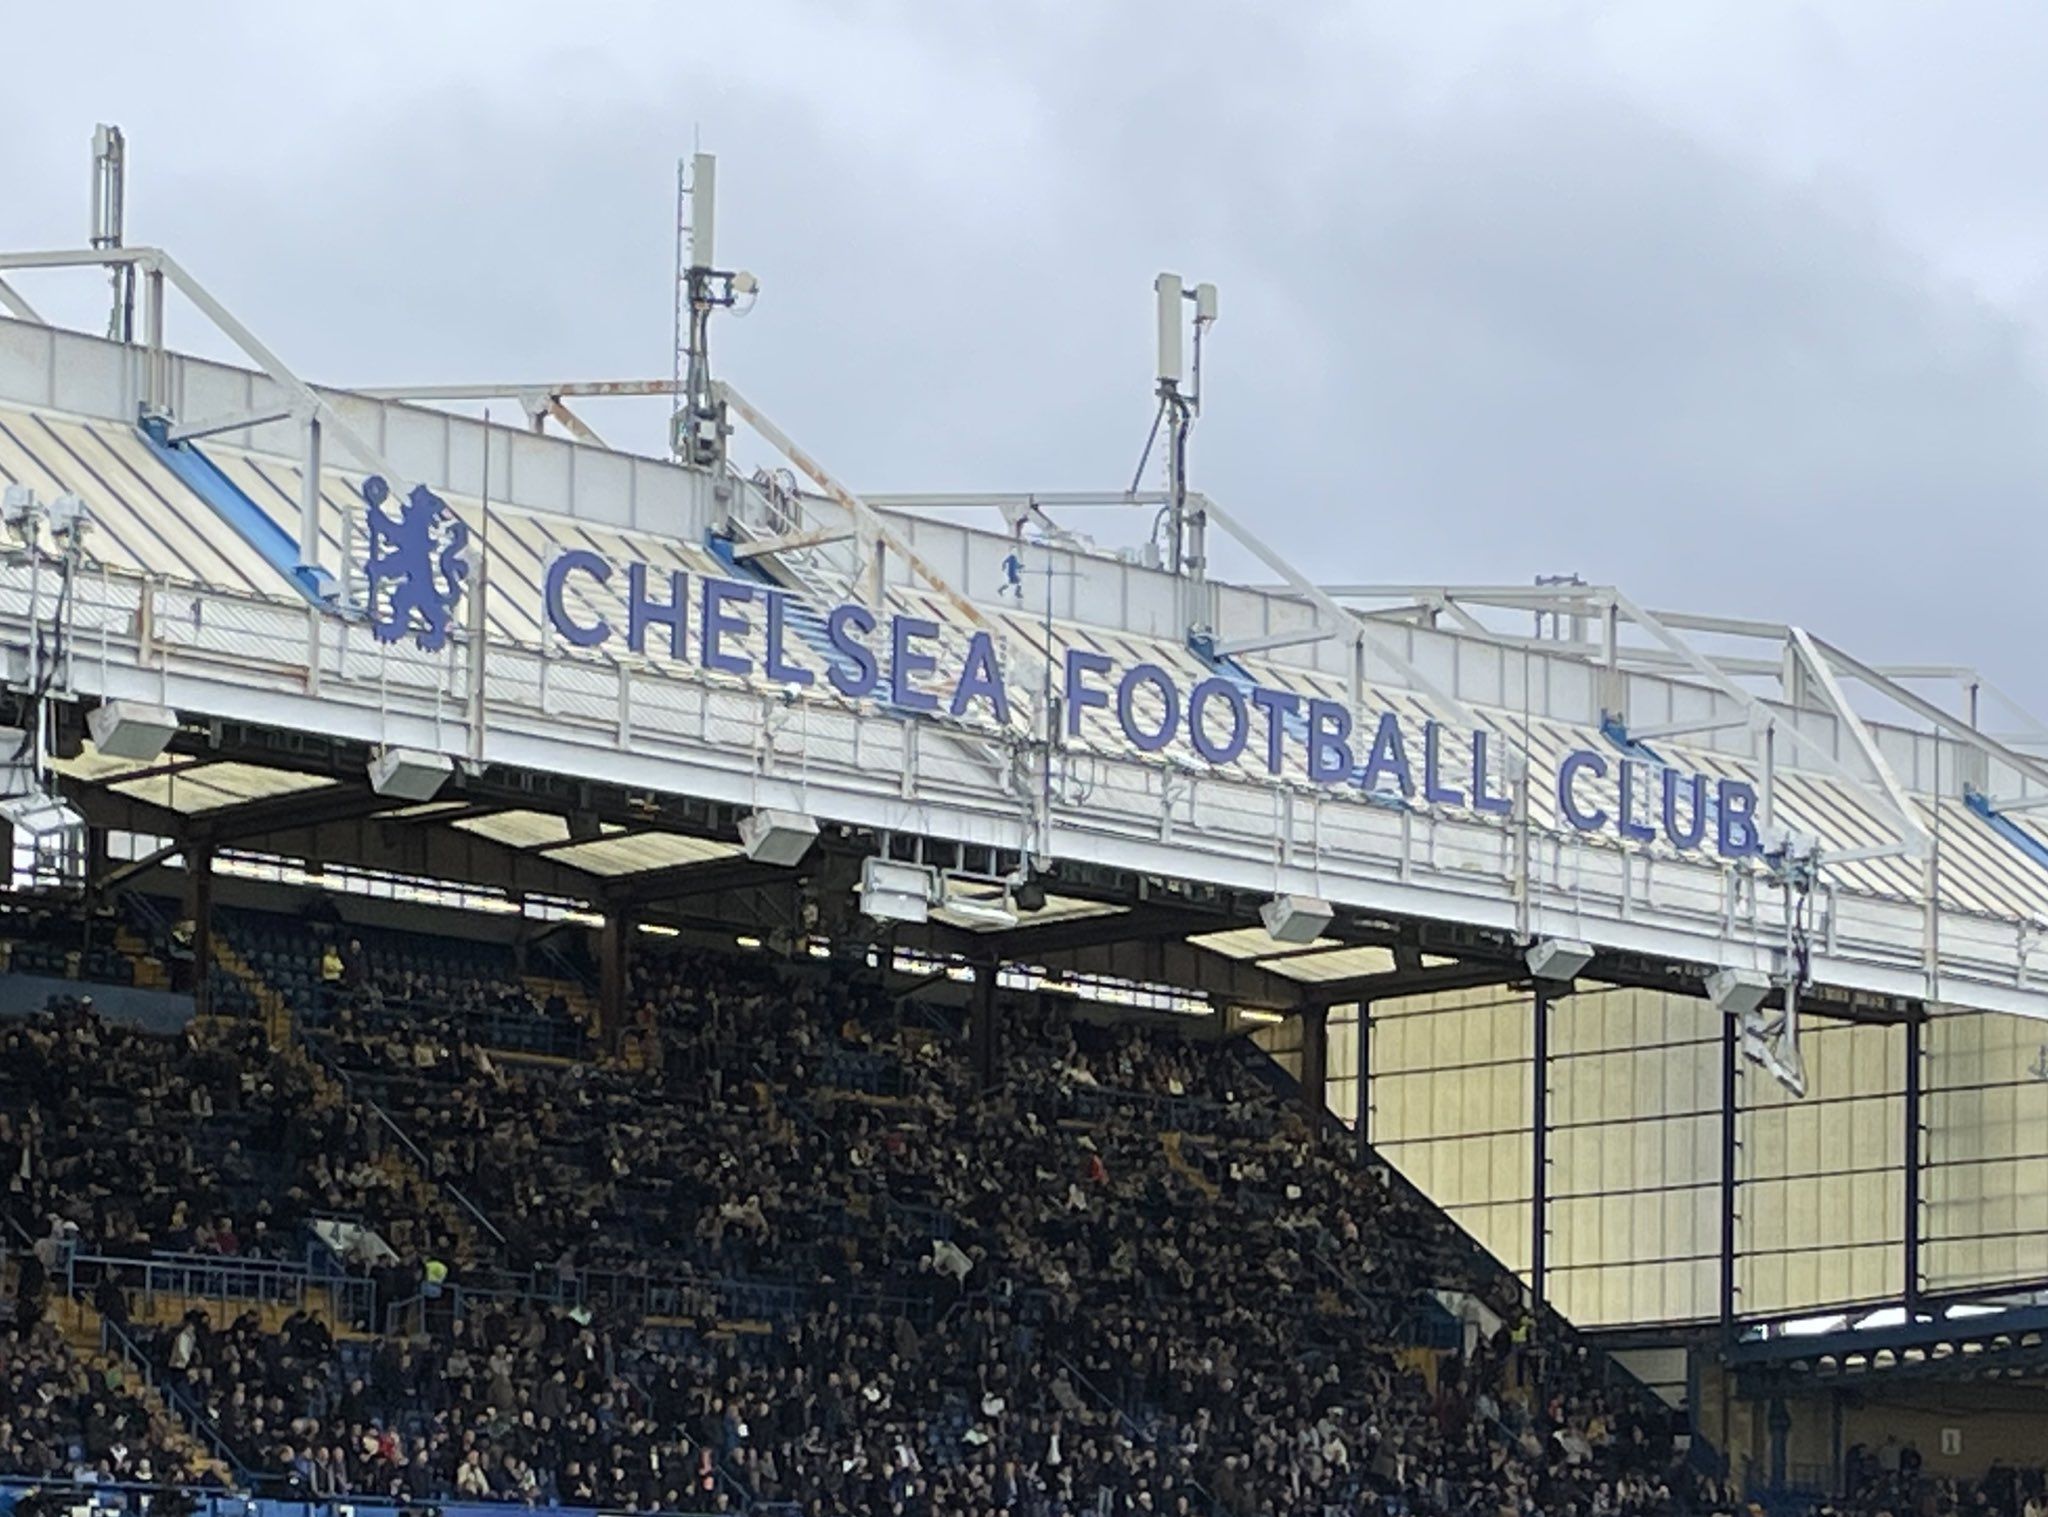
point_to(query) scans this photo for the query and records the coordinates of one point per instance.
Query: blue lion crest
(417, 554)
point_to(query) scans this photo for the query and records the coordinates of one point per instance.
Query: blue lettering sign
(1278, 705)
(1127, 707)
(642, 611)
(1738, 835)
(1215, 718)
(1082, 662)
(906, 660)
(1632, 830)
(1490, 805)
(773, 664)
(1329, 752)
(574, 561)
(720, 624)
(1434, 790)
(1389, 756)
(981, 679)
(1567, 803)
(1226, 752)
(854, 672)
(1688, 837)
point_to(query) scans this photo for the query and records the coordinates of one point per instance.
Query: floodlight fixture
(1296, 918)
(1738, 992)
(777, 837)
(1558, 959)
(409, 774)
(132, 730)
(896, 892)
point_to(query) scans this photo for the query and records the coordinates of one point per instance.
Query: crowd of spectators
(1130, 1277)
(63, 1419)
(1889, 1478)
(209, 1142)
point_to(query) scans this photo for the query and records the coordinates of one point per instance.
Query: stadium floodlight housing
(988, 914)
(1738, 992)
(132, 730)
(1296, 918)
(1560, 959)
(777, 837)
(896, 892)
(409, 774)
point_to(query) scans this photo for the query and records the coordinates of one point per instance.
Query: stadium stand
(782, 1253)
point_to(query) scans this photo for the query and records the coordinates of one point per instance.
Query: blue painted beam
(2025, 841)
(251, 522)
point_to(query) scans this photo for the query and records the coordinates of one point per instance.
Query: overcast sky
(1740, 306)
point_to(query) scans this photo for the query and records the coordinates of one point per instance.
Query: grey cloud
(1488, 310)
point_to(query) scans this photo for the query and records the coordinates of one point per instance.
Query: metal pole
(1730, 1076)
(1539, 1193)
(1364, 1079)
(309, 498)
(154, 401)
(1912, 1168)
(1315, 1061)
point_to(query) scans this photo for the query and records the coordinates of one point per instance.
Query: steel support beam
(1911, 1172)
(236, 422)
(1364, 1113)
(823, 537)
(1315, 1061)
(12, 300)
(984, 1031)
(1299, 584)
(1731, 1076)
(1539, 1147)
(612, 939)
(199, 902)
(1231, 647)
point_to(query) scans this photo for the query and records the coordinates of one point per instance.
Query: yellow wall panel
(1986, 1188)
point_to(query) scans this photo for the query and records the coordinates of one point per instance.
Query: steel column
(611, 977)
(199, 901)
(1539, 1191)
(1364, 1079)
(1912, 1168)
(1315, 1060)
(309, 497)
(1731, 1052)
(984, 1032)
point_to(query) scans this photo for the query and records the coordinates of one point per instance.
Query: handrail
(419, 1157)
(1146, 1435)
(223, 1278)
(195, 1420)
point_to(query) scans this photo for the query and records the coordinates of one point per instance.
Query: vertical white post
(309, 496)
(154, 401)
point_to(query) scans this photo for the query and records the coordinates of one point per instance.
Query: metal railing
(115, 1340)
(221, 1281)
(429, 1172)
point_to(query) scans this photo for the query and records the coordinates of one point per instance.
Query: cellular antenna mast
(1186, 553)
(699, 429)
(109, 210)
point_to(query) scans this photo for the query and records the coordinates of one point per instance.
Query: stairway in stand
(151, 973)
(278, 1022)
(85, 1333)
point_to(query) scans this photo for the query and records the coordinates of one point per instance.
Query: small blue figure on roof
(417, 554)
(1013, 575)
